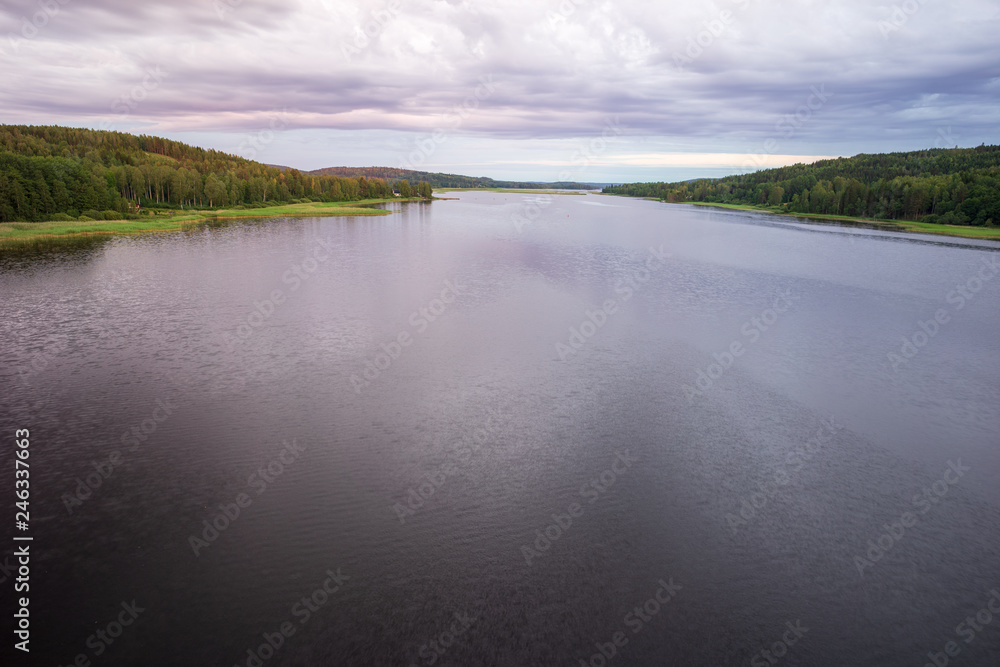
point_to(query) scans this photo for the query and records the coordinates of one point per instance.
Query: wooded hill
(959, 186)
(63, 173)
(439, 180)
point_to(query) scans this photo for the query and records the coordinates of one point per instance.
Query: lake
(509, 429)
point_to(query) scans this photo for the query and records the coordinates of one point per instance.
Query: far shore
(988, 233)
(20, 234)
(540, 191)
(24, 234)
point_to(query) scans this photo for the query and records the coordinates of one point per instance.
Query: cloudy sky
(521, 89)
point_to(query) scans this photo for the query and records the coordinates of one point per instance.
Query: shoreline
(20, 234)
(14, 235)
(962, 231)
(535, 191)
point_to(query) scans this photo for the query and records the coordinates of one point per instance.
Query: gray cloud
(712, 77)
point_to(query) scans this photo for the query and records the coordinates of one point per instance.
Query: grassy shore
(890, 225)
(19, 234)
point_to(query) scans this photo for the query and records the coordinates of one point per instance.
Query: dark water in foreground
(475, 483)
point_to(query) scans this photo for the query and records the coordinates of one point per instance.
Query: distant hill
(65, 173)
(439, 180)
(958, 186)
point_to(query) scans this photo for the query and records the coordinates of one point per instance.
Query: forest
(439, 180)
(958, 186)
(62, 173)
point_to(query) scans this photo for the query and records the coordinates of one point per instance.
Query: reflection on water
(475, 496)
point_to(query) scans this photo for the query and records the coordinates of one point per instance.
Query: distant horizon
(712, 172)
(723, 163)
(769, 161)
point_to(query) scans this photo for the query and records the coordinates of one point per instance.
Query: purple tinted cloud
(723, 73)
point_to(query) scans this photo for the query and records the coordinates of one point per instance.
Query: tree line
(61, 173)
(959, 186)
(439, 180)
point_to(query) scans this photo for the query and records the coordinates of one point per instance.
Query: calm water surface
(504, 430)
